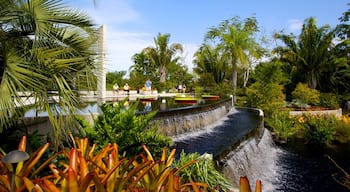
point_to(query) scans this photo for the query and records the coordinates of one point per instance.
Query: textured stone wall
(179, 124)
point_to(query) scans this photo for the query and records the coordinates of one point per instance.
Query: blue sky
(131, 25)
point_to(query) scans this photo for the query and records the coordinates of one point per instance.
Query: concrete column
(101, 66)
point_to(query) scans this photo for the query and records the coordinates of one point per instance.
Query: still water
(162, 103)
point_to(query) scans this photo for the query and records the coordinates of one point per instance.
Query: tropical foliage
(46, 50)
(162, 64)
(319, 130)
(113, 78)
(163, 54)
(203, 170)
(306, 96)
(310, 54)
(118, 124)
(83, 169)
(237, 44)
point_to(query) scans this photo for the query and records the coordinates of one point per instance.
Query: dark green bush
(121, 125)
(282, 124)
(329, 100)
(268, 97)
(306, 95)
(319, 130)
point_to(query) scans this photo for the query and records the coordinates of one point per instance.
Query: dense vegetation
(48, 53)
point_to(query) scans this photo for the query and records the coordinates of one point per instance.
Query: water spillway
(241, 146)
(223, 136)
(237, 141)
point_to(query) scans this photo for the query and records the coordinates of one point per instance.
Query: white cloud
(295, 25)
(189, 50)
(121, 46)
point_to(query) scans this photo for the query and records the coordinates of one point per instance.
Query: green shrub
(198, 90)
(319, 130)
(223, 89)
(306, 95)
(329, 100)
(342, 133)
(130, 131)
(282, 124)
(202, 171)
(268, 97)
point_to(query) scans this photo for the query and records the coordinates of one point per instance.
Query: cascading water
(254, 159)
(279, 168)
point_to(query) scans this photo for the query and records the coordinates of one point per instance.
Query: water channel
(233, 142)
(281, 168)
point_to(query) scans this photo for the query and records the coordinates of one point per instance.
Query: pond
(159, 103)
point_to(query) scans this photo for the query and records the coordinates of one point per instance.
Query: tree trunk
(313, 80)
(162, 71)
(245, 77)
(234, 83)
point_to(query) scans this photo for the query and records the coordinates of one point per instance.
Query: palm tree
(163, 55)
(238, 44)
(44, 48)
(142, 64)
(210, 60)
(310, 53)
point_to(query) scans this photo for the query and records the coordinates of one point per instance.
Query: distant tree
(114, 77)
(339, 74)
(236, 39)
(143, 65)
(310, 53)
(210, 62)
(266, 92)
(270, 72)
(163, 54)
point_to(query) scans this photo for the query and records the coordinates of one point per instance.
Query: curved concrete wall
(335, 112)
(179, 124)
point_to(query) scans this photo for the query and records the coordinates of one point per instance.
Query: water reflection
(161, 103)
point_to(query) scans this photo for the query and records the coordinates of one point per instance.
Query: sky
(132, 25)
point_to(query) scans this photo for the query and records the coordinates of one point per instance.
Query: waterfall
(254, 159)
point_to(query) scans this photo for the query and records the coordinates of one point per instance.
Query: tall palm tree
(236, 39)
(44, 48)
(163, 54)
(310, 53)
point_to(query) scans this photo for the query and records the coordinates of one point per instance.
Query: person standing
(179, 88)
(148, 86)
(183, 88)
(126, 88)
(116, 88)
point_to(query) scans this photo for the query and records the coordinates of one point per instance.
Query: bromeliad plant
(88, 170)
(24, 171)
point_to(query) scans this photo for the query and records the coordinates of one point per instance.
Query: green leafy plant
(329, 100)
(282, 125)
(319, 130)
(120, 125)
(306, 95)
(268, 97)
(203, 170)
